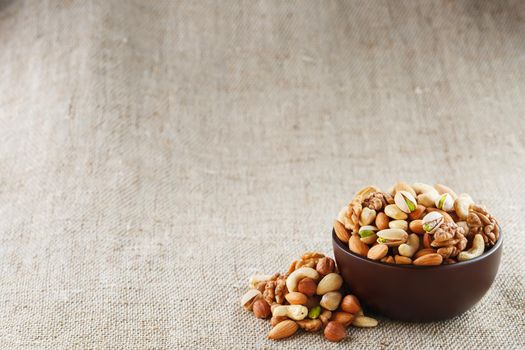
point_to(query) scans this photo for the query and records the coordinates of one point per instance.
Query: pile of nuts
(309, 297)
(416, 224)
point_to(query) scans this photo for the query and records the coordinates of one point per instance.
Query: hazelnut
(312, 302)
(334, 331)
(261, 309)
(325, 266)
(350, 304)
(343, 318)
(307, 286)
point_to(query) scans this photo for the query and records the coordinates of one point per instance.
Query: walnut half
(480, 221)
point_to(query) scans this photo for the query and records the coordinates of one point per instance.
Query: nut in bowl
(435, 255)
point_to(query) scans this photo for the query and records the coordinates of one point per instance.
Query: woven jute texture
(154, 155)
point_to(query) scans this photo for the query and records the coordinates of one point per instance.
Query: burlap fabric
(154, 155)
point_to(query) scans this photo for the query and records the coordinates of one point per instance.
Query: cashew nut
(442, 189)
(255, 279)
(409, 248)
(299, 274)
(329, 283)
(295, 312)
(478, 247)
(423, 188)
(462, 205)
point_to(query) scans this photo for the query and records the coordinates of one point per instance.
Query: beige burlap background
(154, 155)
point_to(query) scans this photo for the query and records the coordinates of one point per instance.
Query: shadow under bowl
(417, 293)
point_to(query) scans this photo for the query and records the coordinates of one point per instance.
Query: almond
(341, 232)
(418, 213)
(388, 259)
(377, 252)
(334, 331)
(344, 318)
(424, 251)
(429, 260)
(356, 246)
(350, 304)
(402, 260)
(382, 221)
(283, 329)
(416, 226)
(296, 298)
(426, 240)
(277, 319)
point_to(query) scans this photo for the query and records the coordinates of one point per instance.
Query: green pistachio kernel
(442, 201)
(427, 227)
(366, 233)
(411, 206)
(381, 240)
(314, 312)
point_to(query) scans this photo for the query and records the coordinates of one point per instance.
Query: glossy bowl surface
(417, 293)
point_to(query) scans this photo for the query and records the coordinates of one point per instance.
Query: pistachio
(402, 224)
(392, 237)
(428, 199)
(462, 205)
(410, 248)
(403, 186)
(445, 202)
(249, 298)
(314, 312)
(368, 234)
(331, 300)
(367, 216)
(394, 212)
(405, 201)
(432, 221)
(446, 216)
(329, 283)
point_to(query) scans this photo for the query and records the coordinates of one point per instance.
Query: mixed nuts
(308, 297)
(416, 224)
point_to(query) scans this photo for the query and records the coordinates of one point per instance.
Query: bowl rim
(459, 264)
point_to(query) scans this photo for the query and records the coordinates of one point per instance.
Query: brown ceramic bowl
(417, 293)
